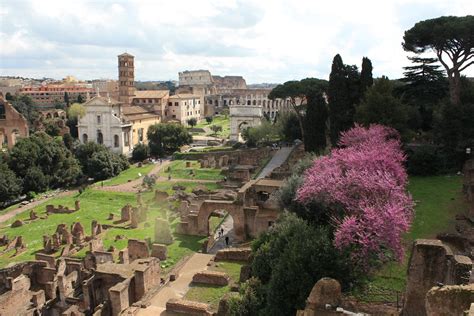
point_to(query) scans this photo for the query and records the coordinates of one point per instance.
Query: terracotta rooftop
(137, 112)
(151, 94)
(184, 96)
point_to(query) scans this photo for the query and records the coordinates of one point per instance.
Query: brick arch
(235, 210)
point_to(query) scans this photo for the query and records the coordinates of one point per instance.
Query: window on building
(99, 119)
(176, 103)
(140, 134)
(100, 137)
(174, 116)
(2, 112)
(170, 103)
(84, 138)
(116, 141)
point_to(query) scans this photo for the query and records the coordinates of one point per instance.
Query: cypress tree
(366, 79)
(343, 95)
(315, 123)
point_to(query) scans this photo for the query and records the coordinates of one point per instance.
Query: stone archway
(241, 115)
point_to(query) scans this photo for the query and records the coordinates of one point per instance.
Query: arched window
(84, 138)
(100, 137)
(116, 141)
(254, 102)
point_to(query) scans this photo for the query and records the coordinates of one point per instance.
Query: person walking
(222, 231)
(227, 241)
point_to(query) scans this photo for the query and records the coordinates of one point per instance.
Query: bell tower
(126, 78)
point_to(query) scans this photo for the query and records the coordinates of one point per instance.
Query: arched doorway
(220, 228)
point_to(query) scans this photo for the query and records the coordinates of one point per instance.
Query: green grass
(215, 222)
(98, 205)
(262, 165)
(212, 294)
(220, 121)
(94, 205)
(438, 199)
(129, 174)
(179, 171)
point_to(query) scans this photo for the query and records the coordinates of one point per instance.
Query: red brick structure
(12, 124)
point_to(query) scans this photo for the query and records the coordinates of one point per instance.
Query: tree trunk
(300, 122)
(455, 88)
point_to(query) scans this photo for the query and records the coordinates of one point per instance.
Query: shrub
(209, 119)
(149, 181)
(290, 258)
(140, 152)
(423, 161)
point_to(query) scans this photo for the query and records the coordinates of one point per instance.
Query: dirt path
(5, 217)
(178, 288)
(134, 185)
(228, 231)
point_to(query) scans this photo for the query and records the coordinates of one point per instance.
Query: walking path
(277, 160)
(228, 227)
(134, 185)
(18, 210)
(177, 288)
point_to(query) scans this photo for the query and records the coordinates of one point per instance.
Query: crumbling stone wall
(188, 307)
(450, 300)
(432, 263)
(211, 278)
(233, 254)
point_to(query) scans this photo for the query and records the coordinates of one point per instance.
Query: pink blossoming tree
(367, 180)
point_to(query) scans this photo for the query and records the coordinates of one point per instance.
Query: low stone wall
(211, 278)
(233, 254)
(187, 307)
(449, 300)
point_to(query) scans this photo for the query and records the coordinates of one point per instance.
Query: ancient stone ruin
(50, 209)
(432, 263)
(94, 285)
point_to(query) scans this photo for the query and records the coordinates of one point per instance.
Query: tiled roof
(151, 94)
(184, 96)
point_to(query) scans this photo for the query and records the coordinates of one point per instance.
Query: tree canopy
(452, 39)
(166, 138)
(297, 92)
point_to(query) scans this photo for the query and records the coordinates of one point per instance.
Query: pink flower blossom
(367, 178)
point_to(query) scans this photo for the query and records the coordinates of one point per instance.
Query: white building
(182, 107)
(103, 123)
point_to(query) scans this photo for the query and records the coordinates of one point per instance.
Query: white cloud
(265, 40)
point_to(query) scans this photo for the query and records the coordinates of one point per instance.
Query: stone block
(211, 278)
(233, 254)
(449, 300)
(159, 251)
(187, 307)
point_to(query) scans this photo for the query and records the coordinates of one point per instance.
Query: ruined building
(12, 124)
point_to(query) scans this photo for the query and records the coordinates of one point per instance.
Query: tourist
(222, 231)
(227, 241)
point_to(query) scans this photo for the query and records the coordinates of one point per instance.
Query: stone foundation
(211, 278)
(233, 254)
(188, 307)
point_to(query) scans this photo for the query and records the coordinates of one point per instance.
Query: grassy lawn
(94, 205)
(179, 171)
(98, 205)
(219, 121)
(129, 174)
(438, 199)
(212, 294)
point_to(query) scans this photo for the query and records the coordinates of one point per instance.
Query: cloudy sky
(264, 40)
